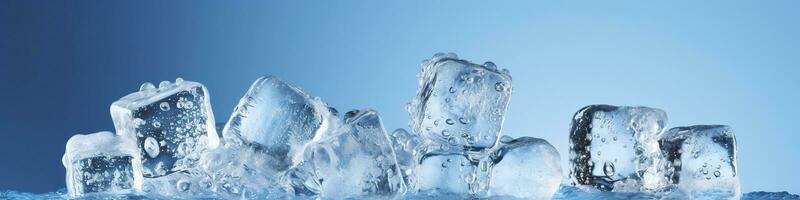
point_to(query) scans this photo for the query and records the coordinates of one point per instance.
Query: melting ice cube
(102, 162)
(406, 147)
(356, 160)
(172, 125)
(612, 145)
(278, 118)
(445, 172)
(459, 103)
(525, 167)
(703, 159)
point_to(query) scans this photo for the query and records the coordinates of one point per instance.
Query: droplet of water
(446, 133)
(147, 86)
(608, 168)
(500, 86)
(463, 120)
(156, 124)
(183, 185)
(151, 147)
(452, 90)
(717, 173)
(163, 84)
(490, 65)
(138, 122)
(178, 80)
(449, 121)
(504, 139)
(452, 141)
(164, 106)
(188, 105)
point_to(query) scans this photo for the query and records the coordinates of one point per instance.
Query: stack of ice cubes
(281, 141)
(629, 149)
(458, 113)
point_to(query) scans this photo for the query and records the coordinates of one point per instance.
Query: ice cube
(703, 159)
(356, 160)
(172, 125)
(527, 168)
(445, 173)
(612, 145)
(278, 118)
(406, 148)
(102, 162)
(459, 103)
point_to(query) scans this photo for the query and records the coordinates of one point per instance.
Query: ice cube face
(407, 148)
(278, 118)
(445, 173)
(172, 125)
(459, 103)
(703, 159)
(101, 162)
(525, 167)
(357, 160)
(609, 144)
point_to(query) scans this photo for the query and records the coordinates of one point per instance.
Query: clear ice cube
(357, 160)
(525, 167)
(278, 118)
(101, 162)
(617, 148)
(459, 103)
(406, 147)
(703, 159)
(445, 173)
(172, 125)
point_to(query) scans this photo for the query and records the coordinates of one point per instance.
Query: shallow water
(565, 193)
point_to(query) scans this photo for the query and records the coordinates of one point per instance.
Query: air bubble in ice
(151, 147)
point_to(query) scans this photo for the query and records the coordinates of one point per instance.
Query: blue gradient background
(711, 62)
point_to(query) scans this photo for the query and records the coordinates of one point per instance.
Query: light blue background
(704, 62)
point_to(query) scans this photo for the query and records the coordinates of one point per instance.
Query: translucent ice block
(406, 147)
(278, 118)
(172, 125)
(102, 162)
(527, 168)
(445, 173)
(459, 103)
(441, 170)
(619, 146)
(703, 159)
(356, 160)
